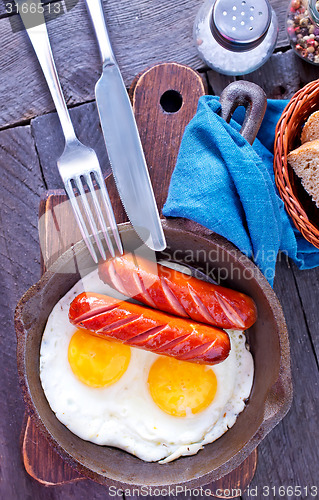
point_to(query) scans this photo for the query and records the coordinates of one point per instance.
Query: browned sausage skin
(149, 329)
(176, 293)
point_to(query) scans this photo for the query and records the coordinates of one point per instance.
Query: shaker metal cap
(240, 25)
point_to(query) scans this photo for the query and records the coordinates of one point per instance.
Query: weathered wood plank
(280, 7)
(308, 289)
(281, 76)
(143, 32)
(7, 9)
(49, 140)
(284, 74)
(20, 190)
(288, 455)
(24, 92)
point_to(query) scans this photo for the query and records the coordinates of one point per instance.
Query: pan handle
(253, 98)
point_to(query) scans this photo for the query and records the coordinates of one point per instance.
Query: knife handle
(95, 10)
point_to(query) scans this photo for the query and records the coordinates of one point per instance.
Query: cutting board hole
(171, 101)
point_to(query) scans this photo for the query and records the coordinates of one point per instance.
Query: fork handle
(36, 28)
(95, 10)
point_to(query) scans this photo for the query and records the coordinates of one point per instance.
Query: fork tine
(109, 210)
(89, 215)
(79, 219)
(89, 182)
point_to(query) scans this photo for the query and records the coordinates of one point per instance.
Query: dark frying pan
(271, 393)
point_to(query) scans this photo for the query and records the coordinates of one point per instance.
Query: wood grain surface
(143, 32)
(280, 77)
(289, 455)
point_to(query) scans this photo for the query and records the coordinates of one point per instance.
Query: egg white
(124, 414)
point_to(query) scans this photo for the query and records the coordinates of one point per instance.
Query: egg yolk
(95, 361)
(179, 387)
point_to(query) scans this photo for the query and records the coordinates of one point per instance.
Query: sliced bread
(305, 162)
(310, 132)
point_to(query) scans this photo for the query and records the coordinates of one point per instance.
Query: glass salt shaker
(303, 29)
(235, 37)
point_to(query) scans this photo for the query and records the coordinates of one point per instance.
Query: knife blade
(122, 140)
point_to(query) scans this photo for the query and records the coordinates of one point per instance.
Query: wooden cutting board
(164, 99)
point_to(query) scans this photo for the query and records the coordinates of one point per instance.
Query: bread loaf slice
(310, 132)
(305, 162)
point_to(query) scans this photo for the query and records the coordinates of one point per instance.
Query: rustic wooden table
(143, 32)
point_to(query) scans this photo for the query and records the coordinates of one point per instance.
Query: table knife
(122, 140)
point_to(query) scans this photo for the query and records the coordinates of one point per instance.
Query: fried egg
(154, 407)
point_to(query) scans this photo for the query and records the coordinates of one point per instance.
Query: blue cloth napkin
(227, 185)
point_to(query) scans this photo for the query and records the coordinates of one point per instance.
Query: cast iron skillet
(189, 243)
(271, 394)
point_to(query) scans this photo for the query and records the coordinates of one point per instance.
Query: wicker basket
(299, 205)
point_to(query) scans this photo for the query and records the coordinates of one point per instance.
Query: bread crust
(310, 132)
(305, 163)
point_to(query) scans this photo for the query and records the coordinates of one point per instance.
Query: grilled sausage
(176, 293)
(140, 326)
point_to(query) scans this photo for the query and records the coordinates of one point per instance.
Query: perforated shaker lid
(240, 25)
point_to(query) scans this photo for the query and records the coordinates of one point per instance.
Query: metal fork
(78, 163)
